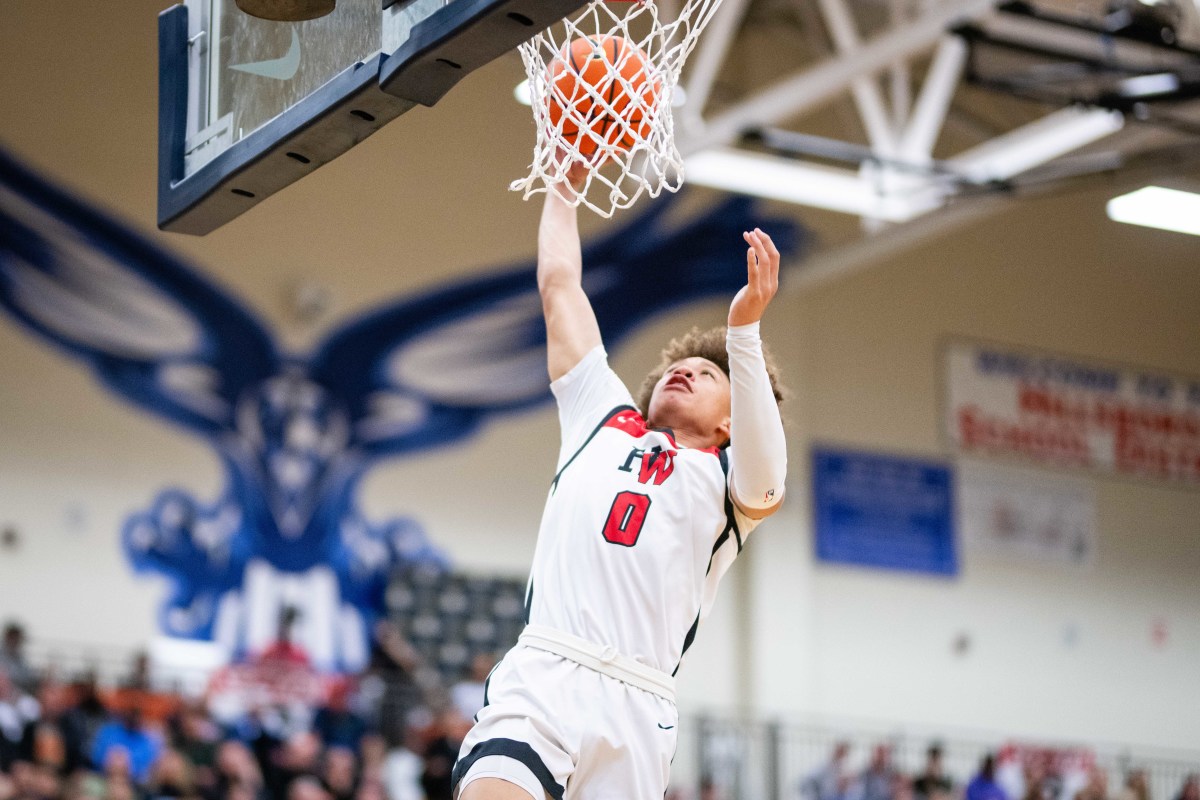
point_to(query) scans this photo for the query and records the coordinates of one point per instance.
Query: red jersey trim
(632, 423)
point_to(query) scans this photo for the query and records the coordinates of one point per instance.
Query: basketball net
(620, 127)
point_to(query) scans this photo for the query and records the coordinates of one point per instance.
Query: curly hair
(709, 344)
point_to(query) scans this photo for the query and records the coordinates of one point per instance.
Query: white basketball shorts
(559, 729)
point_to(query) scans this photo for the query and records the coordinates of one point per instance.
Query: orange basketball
(602, 91)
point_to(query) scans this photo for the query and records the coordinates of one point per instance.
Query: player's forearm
(571, 328)
(758, 457)
(560, 259)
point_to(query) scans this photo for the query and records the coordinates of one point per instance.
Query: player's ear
(724, 428)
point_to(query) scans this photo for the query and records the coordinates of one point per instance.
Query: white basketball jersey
(637, 530)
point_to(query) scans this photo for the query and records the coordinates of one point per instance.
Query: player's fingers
(772, 250)
(772, 258)
(771, 265)
(751, 258)
(764, 260)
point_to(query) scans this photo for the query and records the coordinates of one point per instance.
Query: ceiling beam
(812, 86)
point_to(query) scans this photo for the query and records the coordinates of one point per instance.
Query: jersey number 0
(626, 517)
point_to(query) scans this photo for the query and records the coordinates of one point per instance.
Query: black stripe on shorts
(509, 748)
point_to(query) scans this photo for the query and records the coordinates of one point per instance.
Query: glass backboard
(248, 106)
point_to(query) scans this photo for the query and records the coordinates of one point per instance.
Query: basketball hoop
(614, 117)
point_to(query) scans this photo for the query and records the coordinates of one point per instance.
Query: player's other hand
(762, 279)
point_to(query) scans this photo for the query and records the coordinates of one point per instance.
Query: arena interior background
(1050, 651)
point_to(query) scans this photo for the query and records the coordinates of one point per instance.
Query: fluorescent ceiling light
(521, 93)
(805, 184)
(1157, 207)
(1149, 85)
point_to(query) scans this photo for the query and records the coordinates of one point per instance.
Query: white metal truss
(898, 182)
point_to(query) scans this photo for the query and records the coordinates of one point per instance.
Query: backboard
(248, 106)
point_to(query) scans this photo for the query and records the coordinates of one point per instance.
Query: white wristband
(758, 449)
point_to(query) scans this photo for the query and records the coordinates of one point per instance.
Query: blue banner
(884, 511)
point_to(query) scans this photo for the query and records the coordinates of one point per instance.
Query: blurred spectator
(335, 723)
(403, 769)
(372, 751)
(118, 774)
(127, 735)
(449, 730)
(983, 786)
(878, 780)
(467, 695)
(47, 749)
(1190, 790)
(283, 651)
(1096, 787)
(371, 790)
(197, 737)
(61, 736)
(298, 757)
(18, 712)
(394, 665)
(84, 786)
(89, 713)
(238, 774)
(139, 673)
(1037, 781)
(831, 781)
(30, 782)
(932, 783)
(307, 788)
(12, 658)
(172, 776)
(136, 691)
(339, 773)
(1137, 787)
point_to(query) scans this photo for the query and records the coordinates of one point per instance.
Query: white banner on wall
(1026, 514)
(1065, 412)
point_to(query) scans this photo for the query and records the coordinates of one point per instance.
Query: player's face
(693, 395)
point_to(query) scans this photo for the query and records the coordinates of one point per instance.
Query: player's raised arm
(571, 328)
(758, 455)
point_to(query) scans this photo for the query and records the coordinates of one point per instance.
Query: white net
(602, 85)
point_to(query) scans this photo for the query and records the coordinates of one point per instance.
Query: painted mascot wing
(153, 330)
(432, 368)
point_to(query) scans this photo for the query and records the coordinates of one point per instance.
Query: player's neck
(692, 440)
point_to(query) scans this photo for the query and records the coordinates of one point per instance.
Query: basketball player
(648, 509)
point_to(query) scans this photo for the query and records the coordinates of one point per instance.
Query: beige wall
(425, 199)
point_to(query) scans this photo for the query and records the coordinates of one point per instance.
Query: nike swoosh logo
(281, 69)
(665, 727)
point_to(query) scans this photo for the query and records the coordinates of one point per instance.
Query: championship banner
(1064, 412)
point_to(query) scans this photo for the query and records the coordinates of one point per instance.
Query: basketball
(602, 92)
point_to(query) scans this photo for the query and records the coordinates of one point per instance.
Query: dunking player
(647, 511)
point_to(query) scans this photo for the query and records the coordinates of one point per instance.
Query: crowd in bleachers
(391, 733)
(1012, 774)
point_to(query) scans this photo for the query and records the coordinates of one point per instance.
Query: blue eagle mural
(296, 432)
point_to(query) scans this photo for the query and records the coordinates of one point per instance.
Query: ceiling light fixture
(1158, 207)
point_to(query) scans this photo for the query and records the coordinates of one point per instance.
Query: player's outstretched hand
(573, 170)
(762, 279)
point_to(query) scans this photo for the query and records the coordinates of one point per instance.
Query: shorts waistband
(601, 658)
